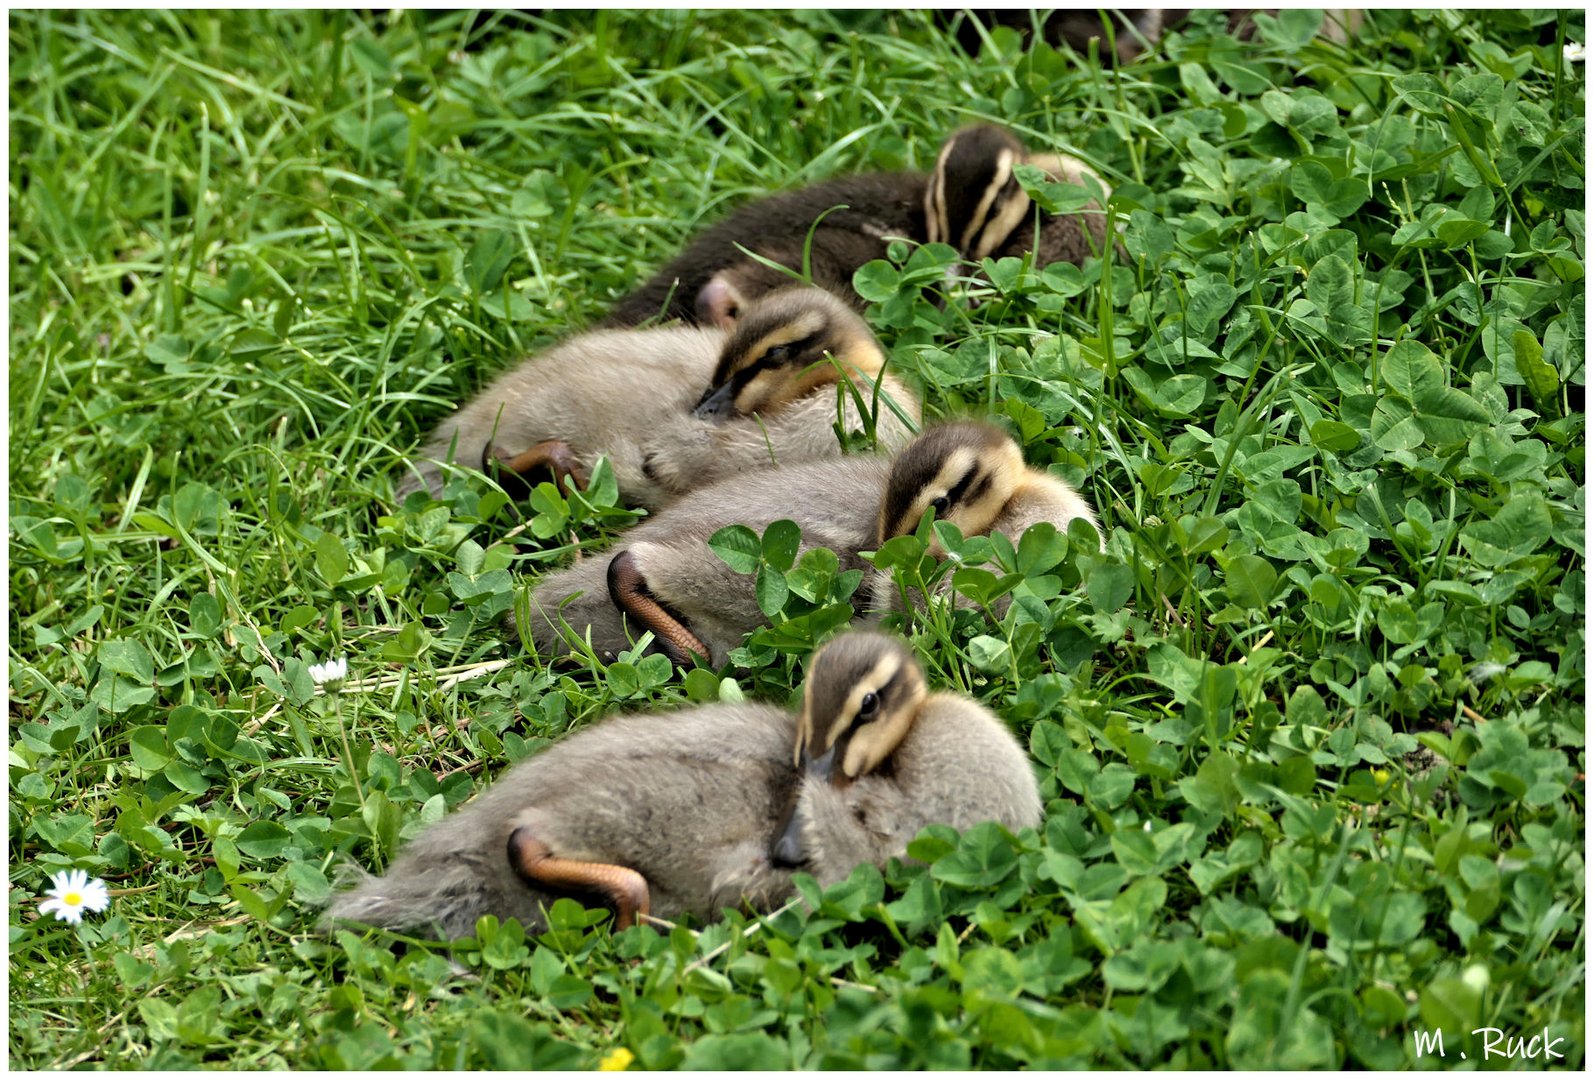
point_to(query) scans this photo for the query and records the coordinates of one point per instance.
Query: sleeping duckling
(973, 185)
(661, 814)
(666, 579)
(689, 812)
(595, 393)
(712, 282)
(677, 407)
(882, 757)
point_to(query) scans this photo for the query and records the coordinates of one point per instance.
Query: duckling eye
(778, 354)
(940, 505)
(868, 706)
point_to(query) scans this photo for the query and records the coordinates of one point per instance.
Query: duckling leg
(625, 888)
(554, 455)
(629, 591)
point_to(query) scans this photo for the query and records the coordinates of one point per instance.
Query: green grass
(1311, 730)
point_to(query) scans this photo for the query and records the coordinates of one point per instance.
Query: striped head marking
(966, 472)
(863, 693)
(972, 200)
(780, 352)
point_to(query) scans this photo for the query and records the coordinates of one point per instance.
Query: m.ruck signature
(1496, 1043)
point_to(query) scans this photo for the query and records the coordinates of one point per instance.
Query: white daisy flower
(71, 891)
(1573, 52)
(330, 674)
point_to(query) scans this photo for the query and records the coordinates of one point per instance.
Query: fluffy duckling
(712, 281)
(877, 207)
(676, 407)
(975, 203)
(661, 814)
(699, 809)
(666, 579)
(882, 757)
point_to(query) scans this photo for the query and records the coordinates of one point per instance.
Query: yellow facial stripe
(997, 228)
(882, 673)
(804, 325)
(935, 198)
(805, 725)
(982, 209)
(953, 469)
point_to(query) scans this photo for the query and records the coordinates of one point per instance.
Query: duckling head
(863, 694)
(972, 200)
(864, 691)
(967, 471)
(780, 351)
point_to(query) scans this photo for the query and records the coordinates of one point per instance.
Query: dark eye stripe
(884, 695)
(795, 350)
(794, 354)
(960, 490)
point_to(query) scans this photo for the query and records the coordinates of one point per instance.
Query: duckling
(712, 281)
(700, 809)
(676, 407)
(882, 757)
(876, 207)
(661, 814)
(666, 579)
(973, 185)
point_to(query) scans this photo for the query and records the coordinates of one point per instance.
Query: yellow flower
(616, 1061)
(1381, 775)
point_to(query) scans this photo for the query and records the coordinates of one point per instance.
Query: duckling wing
(1047, 498)
(960, 765)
